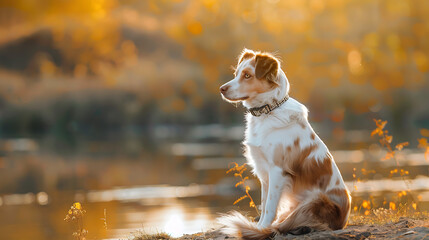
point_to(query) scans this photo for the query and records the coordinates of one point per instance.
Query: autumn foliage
(386, 140)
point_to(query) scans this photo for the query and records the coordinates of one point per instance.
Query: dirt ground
(403, 229)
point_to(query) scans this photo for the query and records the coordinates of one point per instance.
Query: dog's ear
(245, 54)
(266, 66)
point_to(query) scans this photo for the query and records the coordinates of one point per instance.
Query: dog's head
(256, 73)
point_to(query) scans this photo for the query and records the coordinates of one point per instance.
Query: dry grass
(142, 235)
(381, 216)
(212, 234)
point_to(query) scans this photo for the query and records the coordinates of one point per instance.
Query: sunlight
(175, 223)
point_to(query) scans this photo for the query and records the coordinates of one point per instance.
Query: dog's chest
(260, 130)
(263, 134)
(258, 141)
(256, 132)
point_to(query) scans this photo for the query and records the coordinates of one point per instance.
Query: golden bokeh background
(101, 94)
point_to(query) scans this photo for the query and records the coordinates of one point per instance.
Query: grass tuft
(142, 235)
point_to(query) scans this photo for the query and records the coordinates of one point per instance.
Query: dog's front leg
(264, 193)
(276, 184)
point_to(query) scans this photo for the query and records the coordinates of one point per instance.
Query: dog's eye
(246, 75)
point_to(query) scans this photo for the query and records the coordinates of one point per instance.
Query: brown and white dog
(302, 187)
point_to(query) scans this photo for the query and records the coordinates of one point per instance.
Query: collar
(267, 108)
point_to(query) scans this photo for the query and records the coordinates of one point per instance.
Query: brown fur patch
(341, 198)
(252, 84)
(292, 157)
(312, 136)
(312, 173)
(337, 182)
(266, 67)
(245, 55)
(326, 211)
(306, 171)
(296, 143)
(285, 173)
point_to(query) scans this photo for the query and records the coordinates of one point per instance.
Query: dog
(302, 189)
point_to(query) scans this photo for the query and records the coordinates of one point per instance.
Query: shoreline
(404, 228)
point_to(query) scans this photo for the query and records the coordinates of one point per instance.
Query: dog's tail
(319, 211)
(237, 225)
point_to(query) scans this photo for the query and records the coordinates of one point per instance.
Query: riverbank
(404, 228)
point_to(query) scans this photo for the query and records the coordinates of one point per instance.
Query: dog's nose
(223, 89)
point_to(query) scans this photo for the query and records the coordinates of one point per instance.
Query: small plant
(386, 140)
(238, 171)
(423, 142)
(75, 216)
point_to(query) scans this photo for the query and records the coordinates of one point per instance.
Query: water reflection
(150, 192)
(153, 195)
(178, 221)
(174, 224)
(176, 218)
